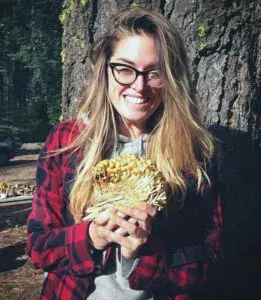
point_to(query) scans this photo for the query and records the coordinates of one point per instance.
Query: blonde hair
(178, 142)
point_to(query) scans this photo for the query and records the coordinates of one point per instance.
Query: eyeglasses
(126, 75)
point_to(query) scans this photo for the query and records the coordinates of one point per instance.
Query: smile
(136, 100)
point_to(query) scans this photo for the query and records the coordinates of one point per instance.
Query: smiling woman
(138, 103)
(138, 98)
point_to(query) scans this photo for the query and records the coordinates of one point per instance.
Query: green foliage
(62, 56)
(82, 44)
(134, 5)
(202, 46)
(31, 67)
(63, 16)
(202, 30)
(66, 11)
(10, 133)
(84, 2)
(54, 109)
(22, 55)
(61, 118)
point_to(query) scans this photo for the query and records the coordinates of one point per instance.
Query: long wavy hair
(177, 142)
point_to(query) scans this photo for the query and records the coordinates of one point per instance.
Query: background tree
(223, 39)
(30, 66)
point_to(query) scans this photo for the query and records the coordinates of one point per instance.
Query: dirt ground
(18, 278)
(20, 169)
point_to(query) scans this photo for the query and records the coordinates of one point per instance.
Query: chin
(136, 120)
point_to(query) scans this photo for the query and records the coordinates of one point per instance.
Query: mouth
(136, 100)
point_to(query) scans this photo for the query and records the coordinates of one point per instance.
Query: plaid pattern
(174, 261)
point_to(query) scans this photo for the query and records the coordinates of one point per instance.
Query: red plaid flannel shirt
(175, 261)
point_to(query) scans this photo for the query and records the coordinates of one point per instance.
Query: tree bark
(223, 40)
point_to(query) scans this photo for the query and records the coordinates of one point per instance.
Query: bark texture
(223, 40)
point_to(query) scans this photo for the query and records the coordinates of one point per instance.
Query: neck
(131, 129)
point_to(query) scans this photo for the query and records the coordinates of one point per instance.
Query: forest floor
(18, 278)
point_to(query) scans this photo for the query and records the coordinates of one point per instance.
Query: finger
(100, 231)
(151, 211)
(147, 227)
(135, 213)
(103, 217)
(139, 218)
(147, 208)
(120, 214)
(111, 225)
(132, 228)
(141, 207)
(103, 233)
(110, 235)
(129, 227)
(133, 221)
(121, 240)
(135, 231)
(121, 231)
(144, 225)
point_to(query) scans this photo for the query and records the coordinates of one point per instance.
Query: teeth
(135, 100)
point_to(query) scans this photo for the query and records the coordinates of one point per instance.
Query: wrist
(130, 255)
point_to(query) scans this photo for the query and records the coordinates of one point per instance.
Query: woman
(138, 101)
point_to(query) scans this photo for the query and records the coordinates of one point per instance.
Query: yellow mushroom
(129, 180)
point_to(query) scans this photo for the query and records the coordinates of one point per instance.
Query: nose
(139, 83)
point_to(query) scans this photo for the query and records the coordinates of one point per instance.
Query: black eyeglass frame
(144, 74)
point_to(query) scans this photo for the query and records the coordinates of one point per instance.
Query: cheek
(115, 90)
(158, 95)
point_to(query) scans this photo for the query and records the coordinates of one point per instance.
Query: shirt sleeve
(52, 244)
(183, 269)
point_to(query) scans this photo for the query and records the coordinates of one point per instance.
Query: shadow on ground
(14, 215)
(12, 257)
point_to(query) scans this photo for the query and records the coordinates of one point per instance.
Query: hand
(101, 223)
(131, 233)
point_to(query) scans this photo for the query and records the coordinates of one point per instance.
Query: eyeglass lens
(126, 75)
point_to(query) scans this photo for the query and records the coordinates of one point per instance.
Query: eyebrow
(127, 61)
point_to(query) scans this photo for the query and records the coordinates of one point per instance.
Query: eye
(124, 71)
(154, 74)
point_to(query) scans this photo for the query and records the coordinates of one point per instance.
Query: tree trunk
(223, 40)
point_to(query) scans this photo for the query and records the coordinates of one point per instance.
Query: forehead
(138, 50)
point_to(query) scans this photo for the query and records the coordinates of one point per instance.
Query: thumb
(104, 216)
